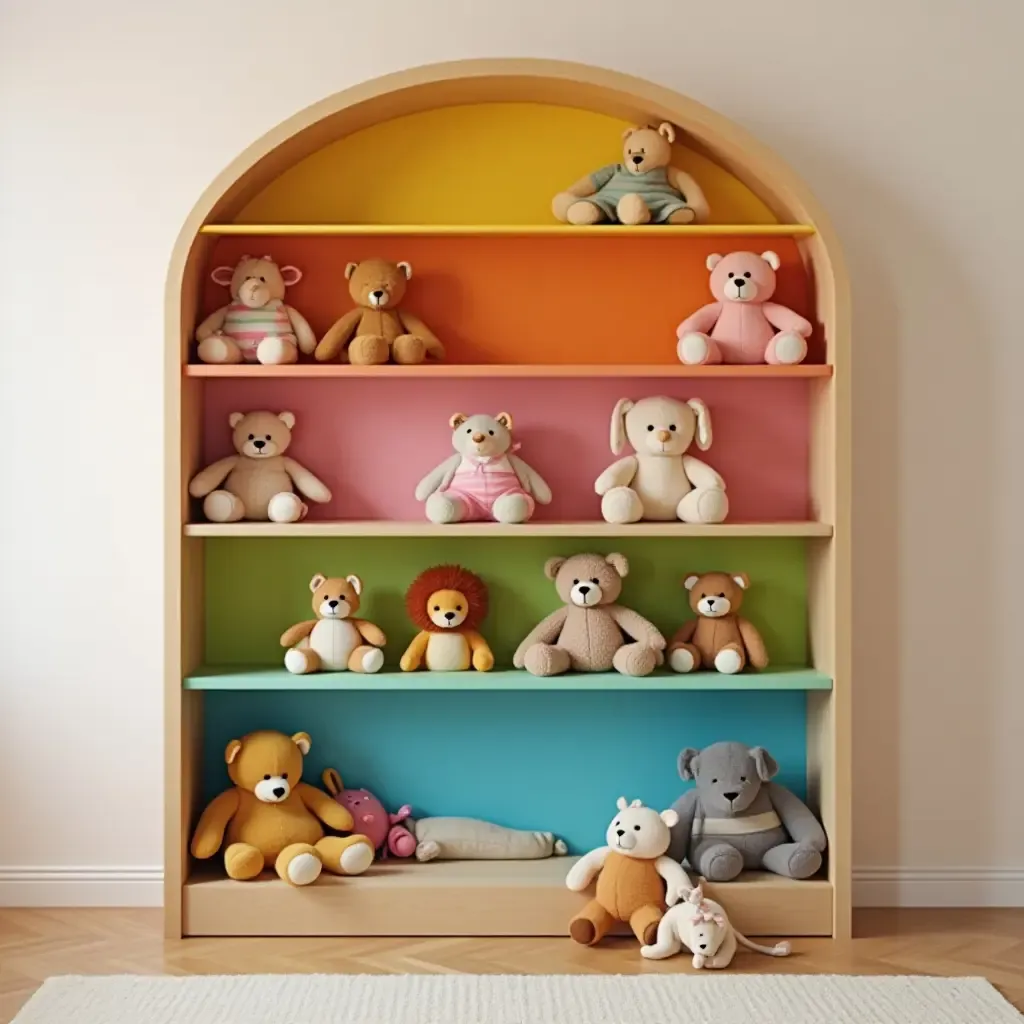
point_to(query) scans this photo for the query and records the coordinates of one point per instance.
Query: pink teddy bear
(370, 819)
(743, 326)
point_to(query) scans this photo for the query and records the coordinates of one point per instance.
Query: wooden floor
(35, 944)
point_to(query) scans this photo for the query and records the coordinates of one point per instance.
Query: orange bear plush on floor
(272, 816)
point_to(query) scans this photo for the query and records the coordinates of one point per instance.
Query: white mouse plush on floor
(703, 927)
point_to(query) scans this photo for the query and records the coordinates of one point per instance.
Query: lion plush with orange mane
(447, 604)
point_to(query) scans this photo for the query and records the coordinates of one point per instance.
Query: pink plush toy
(385, 831)
(742, 326)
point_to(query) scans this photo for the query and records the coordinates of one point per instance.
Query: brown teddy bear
(377, 328)
(334, 641)
(643, 189)
(259, 478)
(586, 633)
(270, 816)
(718, 638)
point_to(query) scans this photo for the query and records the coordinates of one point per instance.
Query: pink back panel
(371, 441)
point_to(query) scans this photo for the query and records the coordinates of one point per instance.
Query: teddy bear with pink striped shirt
(483, 480)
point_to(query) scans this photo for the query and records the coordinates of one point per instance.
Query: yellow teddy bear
(270, 816)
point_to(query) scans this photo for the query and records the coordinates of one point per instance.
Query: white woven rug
(496, 999)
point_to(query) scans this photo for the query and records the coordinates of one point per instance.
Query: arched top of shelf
(771, 183)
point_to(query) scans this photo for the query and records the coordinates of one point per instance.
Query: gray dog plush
(736, 819)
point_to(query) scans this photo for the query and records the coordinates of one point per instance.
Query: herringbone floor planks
(35, 944)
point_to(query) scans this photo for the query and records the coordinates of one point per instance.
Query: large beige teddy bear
(661, 482)
(256, 483)
(377, 330)
(589, 632)
(256, 325)
(643, 189)
(270, 817)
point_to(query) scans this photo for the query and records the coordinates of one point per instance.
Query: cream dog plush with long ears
(661, 482)
(704, 928)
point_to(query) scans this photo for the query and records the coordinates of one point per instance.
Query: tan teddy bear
(270, 816)
(643, 189)
(256, 325)
(378, 330)
(334, 641)
(256, 483)
(587, 633)
(718, 638)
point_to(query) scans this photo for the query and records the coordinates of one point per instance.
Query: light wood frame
(565, 84)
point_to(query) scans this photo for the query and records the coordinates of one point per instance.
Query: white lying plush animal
(703, 927)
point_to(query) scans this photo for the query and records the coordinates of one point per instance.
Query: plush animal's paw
(721, 863)
(512, 508)
(698, 961)
(369, 350)
(582, 931)
(631, 209)
(286, 507)
(693, 349)
(787, 349)
(681, 660)
(544, 660)
(277, 351)
(710, 505)
(373, 661)
(218, 348)
(622, 505)
(635, 660)
(304, 869)
(223, 507)
(804, 861)
(728, 661)
(483, 660)
(408, 350)
(582, 212)
(427, 851)
(440, 508)
(355, 859)
(684, 215)
(298, 661)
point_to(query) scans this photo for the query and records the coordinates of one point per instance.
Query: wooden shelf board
(481, 898)
(249, 677)
(553, 230)
(589, 528)
(443, 371)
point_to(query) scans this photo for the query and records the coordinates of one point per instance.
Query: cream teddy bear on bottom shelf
(704, 928)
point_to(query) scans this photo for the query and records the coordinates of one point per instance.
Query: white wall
(904, 119)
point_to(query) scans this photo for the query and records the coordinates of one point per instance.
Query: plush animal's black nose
(584, 590)
(259, 444)
(620, 831)
(739, 282)
(711, 602)
(449, 616)
(378, 293)
(703, 945)
(730, 796)
(638, 158)
(279, 791)
(333, 604)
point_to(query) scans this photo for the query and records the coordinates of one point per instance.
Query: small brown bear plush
(271, 817)
(378, 330)
(718, 638)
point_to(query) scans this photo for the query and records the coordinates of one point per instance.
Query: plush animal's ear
(287, 418)
(691, 581)
(772, 259)
(223, 275)
(231, 751)
(332, 781)
(357, 583)
(405, 268)
(621, 803)
(302, 741)
(291, 275)
(629, 131)
(742, 580)
(505, 419)
(457, 420)
(618, 431)
(317, 582)
(767, 766)
(619, 563)
(552, 565)
(669, 817)
(703, 423)
(689, 761)
(636, 803)
(350, 269)
(235, 418)
(665, 130)
(713, 260)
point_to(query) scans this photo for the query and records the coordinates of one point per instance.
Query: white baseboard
(81, 887)
(938, 887)
(872, 887)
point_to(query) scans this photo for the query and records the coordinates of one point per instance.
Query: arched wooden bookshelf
(454, 186)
